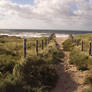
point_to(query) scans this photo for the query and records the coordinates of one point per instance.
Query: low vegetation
(80, 58)
(67, 45)
(33, 73)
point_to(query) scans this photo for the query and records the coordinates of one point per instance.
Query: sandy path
(70, 79)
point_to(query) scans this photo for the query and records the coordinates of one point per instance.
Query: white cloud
(53, 13)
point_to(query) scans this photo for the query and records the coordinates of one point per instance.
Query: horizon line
(47, 29)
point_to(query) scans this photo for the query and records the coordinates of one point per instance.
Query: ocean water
(40, 33)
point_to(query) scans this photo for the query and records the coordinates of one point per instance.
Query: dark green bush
(83, 68)
(7, 67)
(36, 72)
(10, 83)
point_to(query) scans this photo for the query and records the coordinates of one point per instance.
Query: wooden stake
(37, 47)
(90, 48)
(82, 46)
(42, 45)
(24, 48)
(72, 39)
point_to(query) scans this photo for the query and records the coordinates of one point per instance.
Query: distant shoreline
(40, 33)
(33, 34)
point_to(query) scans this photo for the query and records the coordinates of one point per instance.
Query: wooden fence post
(82, 46)
(90, 48)
(24, 48)
(72, 39)
(37, 47)
(42, 45)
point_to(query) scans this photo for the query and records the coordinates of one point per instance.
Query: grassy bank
(79, 55)
(34, 73)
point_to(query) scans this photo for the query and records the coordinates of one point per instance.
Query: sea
(28, 33)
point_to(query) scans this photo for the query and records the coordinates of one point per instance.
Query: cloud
(59, 13)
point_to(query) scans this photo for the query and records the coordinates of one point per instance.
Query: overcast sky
(46, 14)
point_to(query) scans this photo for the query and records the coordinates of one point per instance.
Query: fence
(44, 44)
(84, 46)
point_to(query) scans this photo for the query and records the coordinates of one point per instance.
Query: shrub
(68, 45)
(7, 67)
(79, 59)
(36, 72)
(54, 55)
(10, 83)
(58, 53)
(78, 42)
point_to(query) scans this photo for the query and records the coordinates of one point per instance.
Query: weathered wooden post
(42, 45)
(82, 46)
(72, 38)
(90, 44)
(37, 47)
(25, 48)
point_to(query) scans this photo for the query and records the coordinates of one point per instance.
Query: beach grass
(34, 73)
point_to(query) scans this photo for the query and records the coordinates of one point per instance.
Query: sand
(70, 79)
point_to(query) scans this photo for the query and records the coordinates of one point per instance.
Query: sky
(46, 14)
